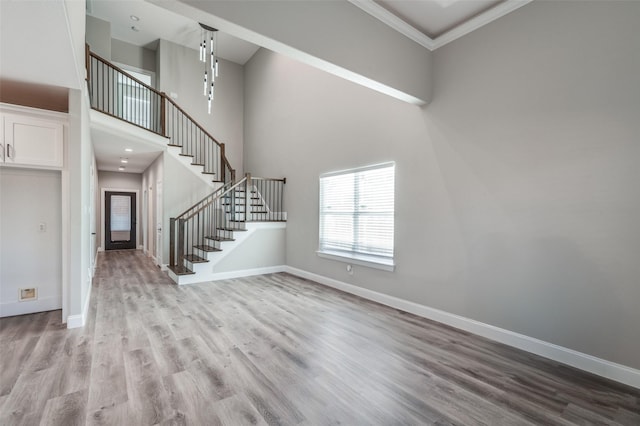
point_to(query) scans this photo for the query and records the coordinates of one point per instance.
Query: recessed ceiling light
(134, 18)
(128, 150)
(124, 160)
(134, 28)
(121, 168)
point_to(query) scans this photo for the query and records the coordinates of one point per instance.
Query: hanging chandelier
(209, 55)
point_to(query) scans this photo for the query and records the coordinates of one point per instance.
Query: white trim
(479, 21)
(66, 234)
(77, 321)
(195, 279)
(127, 68)
(30, 306)
(610, 370)
(391, 20)
(358, 259)
(419, 37)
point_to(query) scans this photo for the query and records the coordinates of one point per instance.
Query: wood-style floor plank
(275, 350)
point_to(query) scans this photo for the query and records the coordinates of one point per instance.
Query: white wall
(78, 211)
(516, 189)
(181, 73)
(181, 190)
(29, 256)
(265, 247)
(119, 180)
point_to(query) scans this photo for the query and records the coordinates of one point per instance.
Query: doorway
(120, 220)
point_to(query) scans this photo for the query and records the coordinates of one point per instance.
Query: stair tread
(185, 155)
(219, 238)
(181, 270)
(208, 173)
(171, 144)
(206, 248)
(230, 229)
(195, 258)
(197, 164)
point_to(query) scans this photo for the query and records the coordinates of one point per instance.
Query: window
(134, 99)
(356, 215)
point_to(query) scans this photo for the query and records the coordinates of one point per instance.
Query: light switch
(42, 227)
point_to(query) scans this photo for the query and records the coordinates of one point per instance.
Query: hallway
(274, 349)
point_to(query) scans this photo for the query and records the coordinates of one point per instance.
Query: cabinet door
(33, 142)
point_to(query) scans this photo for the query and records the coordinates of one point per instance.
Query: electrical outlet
(42, 227)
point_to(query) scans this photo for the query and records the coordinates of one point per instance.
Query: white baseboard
(610, 370)
(200, 278)
(42, 304)
(164, 267)
(77, 321)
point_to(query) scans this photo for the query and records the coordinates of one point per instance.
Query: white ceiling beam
(330, 35)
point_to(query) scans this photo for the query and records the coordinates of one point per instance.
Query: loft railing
(212, 220)
(116, 93)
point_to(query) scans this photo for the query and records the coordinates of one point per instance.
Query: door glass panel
(120, 218)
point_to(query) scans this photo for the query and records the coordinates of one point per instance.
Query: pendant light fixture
(209, 55)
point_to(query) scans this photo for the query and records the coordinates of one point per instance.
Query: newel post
(223, 166)
(180, 256)
(172, 242)
(87, 60)
(163, 118)
(247, 197)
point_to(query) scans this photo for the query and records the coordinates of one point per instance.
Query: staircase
(204, 234)
(220, 222)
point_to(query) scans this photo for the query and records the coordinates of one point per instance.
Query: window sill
(356, 259)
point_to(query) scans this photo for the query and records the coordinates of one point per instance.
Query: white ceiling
(109, 148)
(156, 22)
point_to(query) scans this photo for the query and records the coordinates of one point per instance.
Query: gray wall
(150, 178)
(135, 56)
(180, 72)
(98, 36)
(516, 189)
(30, 257)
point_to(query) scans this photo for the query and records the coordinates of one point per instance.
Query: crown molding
(388, 18)
(479, 21)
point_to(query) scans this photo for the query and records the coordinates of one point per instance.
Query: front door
(120, 220)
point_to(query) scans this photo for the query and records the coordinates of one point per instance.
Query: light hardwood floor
(275, 349)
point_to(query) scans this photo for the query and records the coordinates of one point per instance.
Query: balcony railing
(116, 93)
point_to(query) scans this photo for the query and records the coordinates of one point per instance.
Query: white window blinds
(120, 213)
(356, 212)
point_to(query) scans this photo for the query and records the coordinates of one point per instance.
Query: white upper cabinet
(29, 140)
